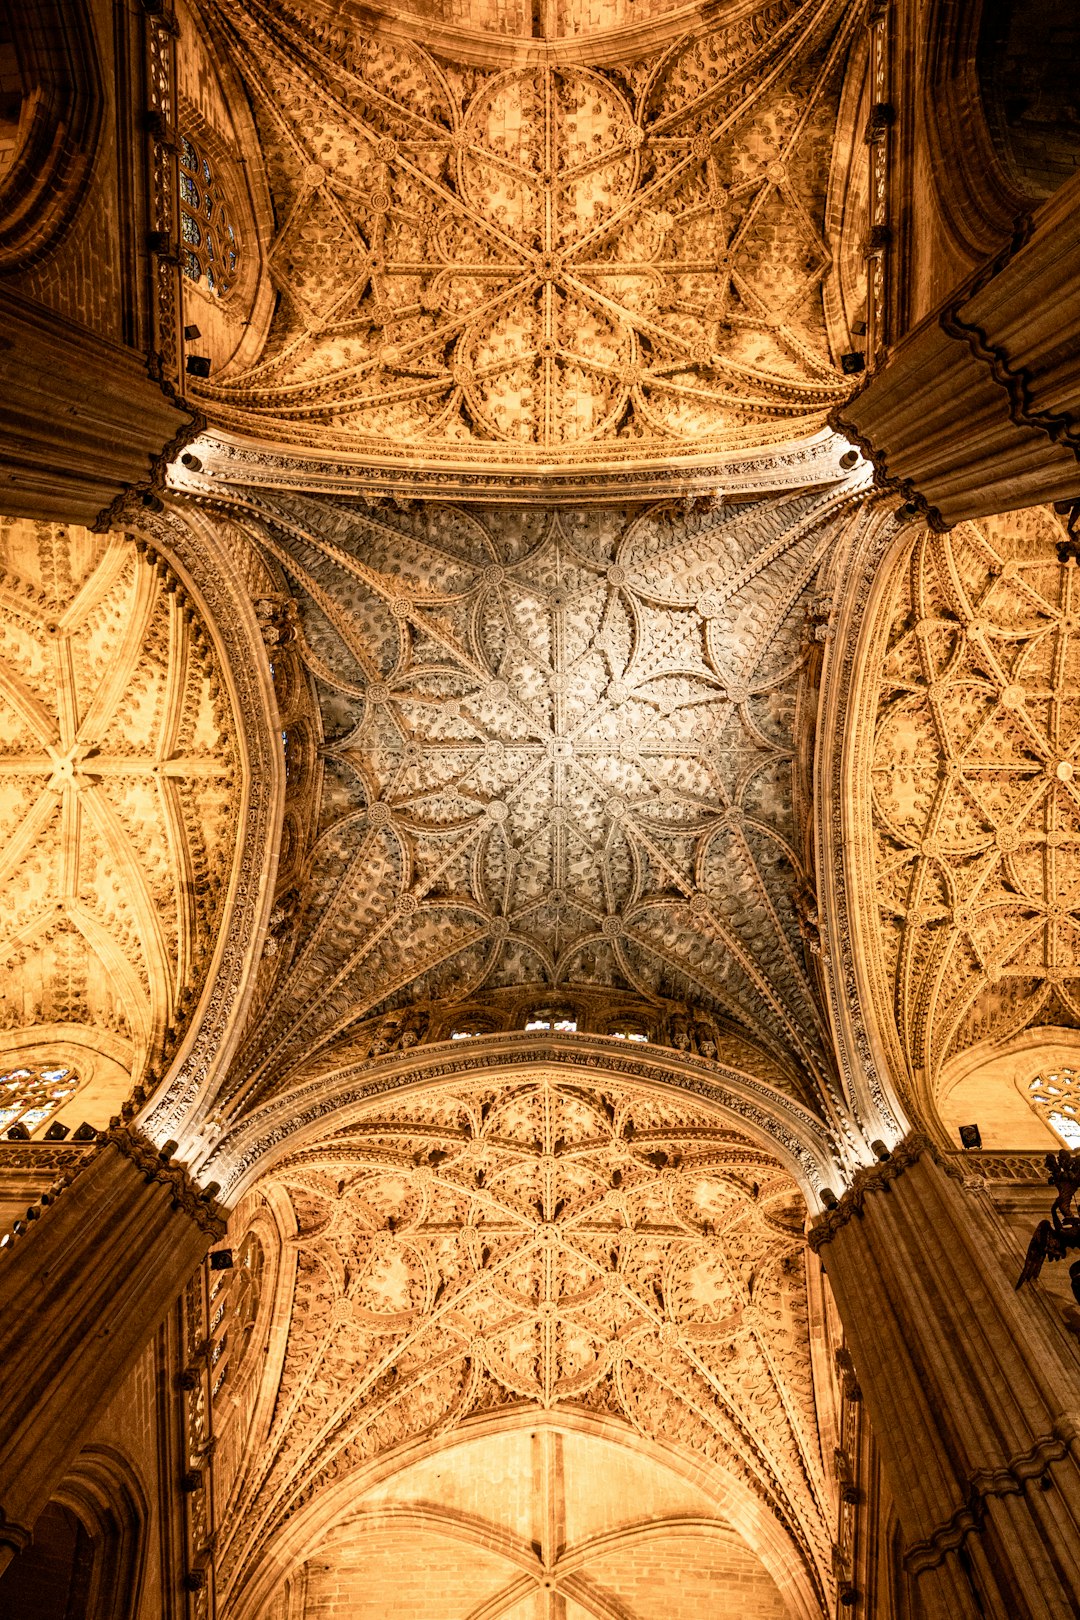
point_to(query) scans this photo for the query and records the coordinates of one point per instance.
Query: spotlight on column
(970, 1136)
(850, 363)
(198, 365)
(56, 1132)
(829, 1198)
(221, 1260)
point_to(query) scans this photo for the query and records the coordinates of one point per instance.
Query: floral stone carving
(548, 1243)
(976, 788)
(551, 267)
(558, 750)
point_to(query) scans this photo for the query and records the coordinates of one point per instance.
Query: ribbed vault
(563, 1245)
(559, 749)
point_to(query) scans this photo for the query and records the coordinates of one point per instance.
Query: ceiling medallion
(550, 272)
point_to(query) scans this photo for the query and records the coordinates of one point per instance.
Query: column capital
(873, 1178)
(149, 1159)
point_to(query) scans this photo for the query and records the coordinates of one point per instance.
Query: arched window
(30, 1097)
(209, 244)
(557, 1018)
(1055, 1097)
(234, 1309)
(626, 1030)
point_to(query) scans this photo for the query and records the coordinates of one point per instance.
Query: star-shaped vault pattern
(558, 749)
(119, 791)
(550, 266)
(976, 787)
(550, 1244)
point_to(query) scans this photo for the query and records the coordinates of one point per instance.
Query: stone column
(80, 1294)
(977, 409)
(971, 1396)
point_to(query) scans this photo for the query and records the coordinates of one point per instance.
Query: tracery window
(234, 1308)
(557, 1021)
(1055, 1098)
(209, 243)
(30, 1096)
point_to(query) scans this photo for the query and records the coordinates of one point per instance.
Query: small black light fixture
(57, 1132)
(85, 1133)
(191, 333)
(198, 365)
(850, 364)
(849, 459)
(18, 1133)
(221, 1260)
(970, 1136)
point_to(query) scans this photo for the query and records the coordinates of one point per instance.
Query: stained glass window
(31, 1096)
(202, 194)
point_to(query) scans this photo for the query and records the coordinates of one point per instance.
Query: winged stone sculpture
(1053, 1239)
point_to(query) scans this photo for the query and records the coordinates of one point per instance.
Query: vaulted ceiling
(566, 1245)
(119, 792)
(559, 749)
(975, 775)
(545, 268)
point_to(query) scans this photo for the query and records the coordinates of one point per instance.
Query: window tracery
(29, 1096)
(209, 240)
(1055, 1097)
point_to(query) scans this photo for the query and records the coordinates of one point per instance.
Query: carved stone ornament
(188, 1196)
(119, 792)
(558, 749)
(543, 272)
(971, 804)
(566, 1244)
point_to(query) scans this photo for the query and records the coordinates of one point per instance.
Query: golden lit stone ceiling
(544, 1522)
(569, 1247)
(976, 788)
(544, 274)
(558, 749)
(119, 790)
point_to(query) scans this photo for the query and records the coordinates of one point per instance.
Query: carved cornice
(149, 1160)
(872, 1178)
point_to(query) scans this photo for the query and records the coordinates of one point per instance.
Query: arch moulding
(319, 1517)
(315, 1108)
(188, 543)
